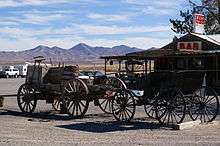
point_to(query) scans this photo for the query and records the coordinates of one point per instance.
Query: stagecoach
(170, 82)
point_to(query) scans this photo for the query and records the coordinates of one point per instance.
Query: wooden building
(192, 53)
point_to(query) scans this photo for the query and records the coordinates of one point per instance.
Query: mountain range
(81, 53)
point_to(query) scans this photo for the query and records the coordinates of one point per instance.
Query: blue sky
(25, 24)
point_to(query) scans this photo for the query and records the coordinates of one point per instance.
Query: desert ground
(46, 127)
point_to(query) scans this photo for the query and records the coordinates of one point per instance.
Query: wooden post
(119, 69)
(216, 68)
(146, 63)
(1, 101)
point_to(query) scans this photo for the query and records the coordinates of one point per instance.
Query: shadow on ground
(103, 127)
(48, 115)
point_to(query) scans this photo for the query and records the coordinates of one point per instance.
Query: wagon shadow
(48, 115)
(45, 115)
(112, 126)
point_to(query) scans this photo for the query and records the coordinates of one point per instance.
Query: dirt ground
(46, 127)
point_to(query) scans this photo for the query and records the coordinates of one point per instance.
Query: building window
(197, 63)
(181, 64)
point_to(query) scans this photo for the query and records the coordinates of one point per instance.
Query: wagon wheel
(150, 106)
(74, 98)
(105, 104)
(204, 105)
(123, 105)
(171, 107)
(56, 104)
(150, 109)
(26, 98)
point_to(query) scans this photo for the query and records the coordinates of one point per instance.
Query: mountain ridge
(80, 53)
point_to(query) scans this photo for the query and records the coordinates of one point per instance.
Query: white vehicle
(22, 69)
(10, 72)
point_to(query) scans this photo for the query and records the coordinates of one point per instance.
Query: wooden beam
(186, 125)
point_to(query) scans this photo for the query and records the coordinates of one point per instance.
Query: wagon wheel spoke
(74, 98)
(80, 102)
(207, 108)
(80, 109)
(106, 106)
(56, 104)
(26, 98)
(70, 106)
(123, 106)
(150, 111)
(73, 110)
(106, 103)
(172, 108)
(207, 114)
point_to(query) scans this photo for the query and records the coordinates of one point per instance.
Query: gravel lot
(45, 127)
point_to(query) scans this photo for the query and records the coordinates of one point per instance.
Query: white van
(10, 72)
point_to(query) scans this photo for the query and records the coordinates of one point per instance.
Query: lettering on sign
(200, 19)
(189, 46)
(199, 22)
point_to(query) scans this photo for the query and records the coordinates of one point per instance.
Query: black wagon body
(181, 77)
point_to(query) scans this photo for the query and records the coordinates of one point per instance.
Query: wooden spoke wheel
(26, 98)
(74, 97)
(204, 105)
(123, 105)
(56, 104)
(150, 106)
(106, 103)
(150, 109)
(171, 107)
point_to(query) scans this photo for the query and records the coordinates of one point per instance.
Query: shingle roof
(211, 38)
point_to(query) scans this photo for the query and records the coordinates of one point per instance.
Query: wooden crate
(55, 75)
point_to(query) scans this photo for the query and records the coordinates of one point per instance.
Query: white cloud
(157, 8)
(110, 30)
(80, 29)
(16, 3)
(13, 38)
(139, 42)
(39, 19)
(32, 18)
(19, 3)
(160, 3)
(68, 42)
(103, 17)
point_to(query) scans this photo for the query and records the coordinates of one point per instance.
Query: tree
(211, 10)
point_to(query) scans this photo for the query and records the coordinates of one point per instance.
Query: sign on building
(189, 46)
(199, 22)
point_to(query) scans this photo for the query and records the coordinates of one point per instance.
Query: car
(10, 72)
(82, 76)
(92, 73)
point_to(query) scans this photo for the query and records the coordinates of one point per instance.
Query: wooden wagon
(62, 87)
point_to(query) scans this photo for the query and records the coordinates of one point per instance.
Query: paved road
(45, 127)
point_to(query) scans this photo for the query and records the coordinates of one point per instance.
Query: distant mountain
(81, 53)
